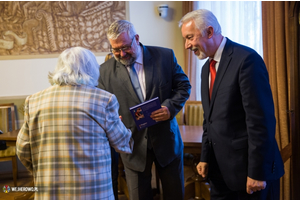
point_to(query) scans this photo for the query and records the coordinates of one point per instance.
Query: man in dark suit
(159, 75)
(240, 155)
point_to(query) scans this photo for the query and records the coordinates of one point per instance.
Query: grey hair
(75, 66)
(203, 19)
(118, 27)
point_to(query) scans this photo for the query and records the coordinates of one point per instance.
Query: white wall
(156, 31)
(27, 76)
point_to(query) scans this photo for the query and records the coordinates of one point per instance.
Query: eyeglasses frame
(124, 49)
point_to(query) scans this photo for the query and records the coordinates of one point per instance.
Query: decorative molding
(13, 97)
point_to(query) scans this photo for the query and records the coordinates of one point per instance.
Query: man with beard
(239, 154)
(158, 75)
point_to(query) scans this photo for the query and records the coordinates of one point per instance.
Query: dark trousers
(171, 176)
(220, 191)
(114, 171)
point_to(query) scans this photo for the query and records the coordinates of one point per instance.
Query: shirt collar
(140, 58)
(219, 52)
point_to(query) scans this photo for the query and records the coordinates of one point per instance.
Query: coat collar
(123, 75)
(148, 69)
(223, 66)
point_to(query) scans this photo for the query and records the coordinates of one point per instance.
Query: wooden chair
(8, 119)
(193, 116)
(108, 56)
(180, 117)
(193, 113)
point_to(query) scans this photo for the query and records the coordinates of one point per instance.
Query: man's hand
(255, 185)
(161, 114)
(202, 169)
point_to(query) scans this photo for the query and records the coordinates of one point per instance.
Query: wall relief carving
(49, 27)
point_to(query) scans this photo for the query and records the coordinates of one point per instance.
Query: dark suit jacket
(164, 79)
(239, 121)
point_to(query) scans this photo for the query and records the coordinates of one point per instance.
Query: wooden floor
(23, 182)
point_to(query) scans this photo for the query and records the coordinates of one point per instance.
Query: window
(241, 22)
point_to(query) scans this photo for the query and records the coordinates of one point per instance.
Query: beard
(201, 55)
(132, 56)
(125, 61)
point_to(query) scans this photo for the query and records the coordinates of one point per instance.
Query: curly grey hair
(75, 66)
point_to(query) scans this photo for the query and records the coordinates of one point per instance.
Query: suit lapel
(205, 86)
(148, 69)
(224, 63)
(123, 75)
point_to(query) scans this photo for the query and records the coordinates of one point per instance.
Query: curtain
(240, 22)
(276, 57)
(190, 60)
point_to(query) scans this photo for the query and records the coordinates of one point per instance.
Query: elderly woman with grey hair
(68, 130)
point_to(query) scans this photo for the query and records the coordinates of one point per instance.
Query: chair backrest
(8, 117)
(180, 117)
(193, 113)
(8, 123)
(108, 56)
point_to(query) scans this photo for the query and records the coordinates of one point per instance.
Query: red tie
(213, 72)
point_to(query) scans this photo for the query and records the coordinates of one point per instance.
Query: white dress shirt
(139, 68)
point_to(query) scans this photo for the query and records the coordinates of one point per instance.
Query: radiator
(193, 114)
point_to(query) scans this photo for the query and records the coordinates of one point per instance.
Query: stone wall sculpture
(49, 27)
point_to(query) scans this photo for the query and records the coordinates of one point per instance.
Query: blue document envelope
(141, 113)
